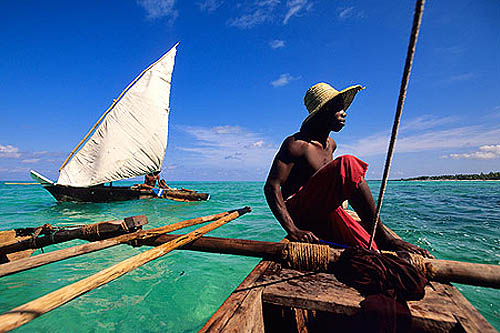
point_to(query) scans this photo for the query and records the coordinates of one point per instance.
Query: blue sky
(241, 72)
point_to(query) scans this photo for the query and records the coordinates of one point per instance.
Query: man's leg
(362, 201)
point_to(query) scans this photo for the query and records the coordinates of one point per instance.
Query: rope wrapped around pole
(417, 19)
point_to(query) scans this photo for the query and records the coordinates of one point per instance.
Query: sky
(241, 72)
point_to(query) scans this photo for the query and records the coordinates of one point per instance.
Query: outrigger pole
(417, 20)
(28, 263)
(31, 310)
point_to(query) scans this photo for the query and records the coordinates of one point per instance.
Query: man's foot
(401, 245)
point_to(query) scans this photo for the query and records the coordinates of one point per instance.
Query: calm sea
(179, 292)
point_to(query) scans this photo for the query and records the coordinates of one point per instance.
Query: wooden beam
(441, 270)
(47, 258)
(93, 231)
(29, 311)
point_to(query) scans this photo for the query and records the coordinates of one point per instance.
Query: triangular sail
(131, 140)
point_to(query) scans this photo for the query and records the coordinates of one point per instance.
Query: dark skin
(150, 181)
(299, 157)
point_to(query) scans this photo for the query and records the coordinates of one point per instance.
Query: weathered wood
(184, 195)
(9, 237)
(46, 258)
(322, 292)
(467, 273)
(251, 248)
(93, 231)
(469, 319)
(443, 270)
(27, 312)
(228, 311)
(102, 193)
(443, 308)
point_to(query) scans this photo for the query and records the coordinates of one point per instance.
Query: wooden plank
(308, 290)
(322, 292)
(248, 316)
(224, 315)
(468, 317)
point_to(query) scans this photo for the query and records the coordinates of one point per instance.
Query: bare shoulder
(294, 146)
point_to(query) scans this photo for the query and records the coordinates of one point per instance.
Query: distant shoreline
(445, 180)
(491, 176)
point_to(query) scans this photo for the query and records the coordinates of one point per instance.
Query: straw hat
(321, 93)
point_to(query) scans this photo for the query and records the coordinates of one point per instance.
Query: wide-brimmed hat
(321, 93)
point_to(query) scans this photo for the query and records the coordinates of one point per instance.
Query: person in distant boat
(150, 181)
(306, 187)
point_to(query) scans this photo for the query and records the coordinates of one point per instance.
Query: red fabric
(317, 205)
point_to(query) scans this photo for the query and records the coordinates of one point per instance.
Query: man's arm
(282, 165)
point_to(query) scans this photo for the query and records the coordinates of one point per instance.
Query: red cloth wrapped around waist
(317, 205)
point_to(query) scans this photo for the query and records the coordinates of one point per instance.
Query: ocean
(180, 291)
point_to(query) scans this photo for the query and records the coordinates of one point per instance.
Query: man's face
(337, 116)
(338, 120)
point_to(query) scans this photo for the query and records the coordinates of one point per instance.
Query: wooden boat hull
(277, 299)
(118, 193)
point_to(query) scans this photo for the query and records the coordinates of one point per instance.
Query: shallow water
(180, 291)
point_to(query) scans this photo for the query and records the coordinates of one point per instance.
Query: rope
(46, 229)
(307, 257)
(417, 19)
(418, 261)
(90, 230)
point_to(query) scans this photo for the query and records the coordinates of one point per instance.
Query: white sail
(131, 140)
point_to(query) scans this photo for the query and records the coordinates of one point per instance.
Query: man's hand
(303, 236)
(401, 245)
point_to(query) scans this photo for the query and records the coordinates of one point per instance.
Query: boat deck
(273, 298)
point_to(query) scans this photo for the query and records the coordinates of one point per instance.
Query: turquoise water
(179, 292)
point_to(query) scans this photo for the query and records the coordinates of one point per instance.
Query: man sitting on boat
(305, 187)
(150, 181)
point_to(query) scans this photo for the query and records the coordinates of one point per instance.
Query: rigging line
(417, 20)
(111, 108)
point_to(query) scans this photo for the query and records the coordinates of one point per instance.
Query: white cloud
(426, 122)
(432, 140)
(276, 44)
(210, 5)
(258, 144)
(263, 11)
(159, 8)
(486, 152)
(31, 160)
(283, 80)
(345, 13)
(229, 147)
(257, 13)
(459, 78)
(295, 7)
(452, 50)
(41, 153)
(250, 20)
(9, 151)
